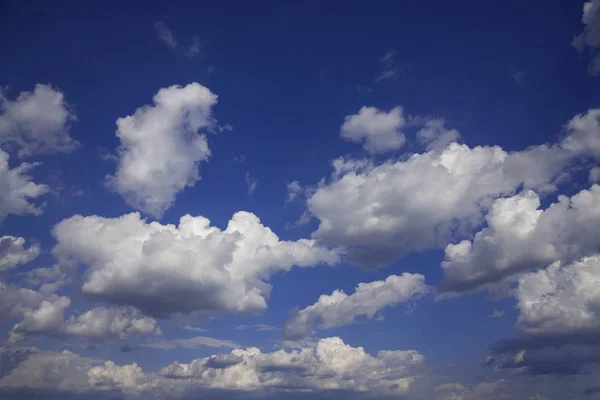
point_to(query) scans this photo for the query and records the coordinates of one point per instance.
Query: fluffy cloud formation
(99, 323)
(330, 365)
(520, 236)
(381, 212)
(590, 37)
(561, 299)
(164, 269)
(15, 301)
(161, 148)
(13, 252)
(340, 309)
(17, 189)
(36, 122)
(379, 130)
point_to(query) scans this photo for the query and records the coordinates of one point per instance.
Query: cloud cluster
(329, 365)
(192, 267)
(340, 309)
(14, 252)
(99, 323)
(36, 122)
(382, 212)
(17, 190)
(519, 236)
(161, 147)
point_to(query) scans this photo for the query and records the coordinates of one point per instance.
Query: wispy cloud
(191, 343)
(497, 314)
(193, 328)
(257, 327)
(389, 67)
(165, 34)
(252, 183)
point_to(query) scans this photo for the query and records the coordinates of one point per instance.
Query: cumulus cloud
(36, 122)
(17, 189)
(519, 236)
(382, 212)
(165, 269)
(340, 309)
(294, 189)
(379, 131)
(14, 252)
(99, 323)
(161, 147)
(330, 365)
(15, 301)
(589, 39)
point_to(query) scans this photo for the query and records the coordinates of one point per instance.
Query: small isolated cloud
(194, 48)
(162, 147)
(389, 67)
(378, 130)
(257, 327)
(517, 75)
(339, 309)
(294, 189)
(194, 328)
(191, 343)
(434, 134)
(165, 34)
(497, 314)
(252, 183)
(14, 252)
(36, 122)
(17, 190)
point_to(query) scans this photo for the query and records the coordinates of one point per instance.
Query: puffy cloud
(161, 148)
(13, 252)
(164, 269)
(379, 130)
(381, 212)
(191, 343)
(590, 37)
(17, 189)
(561, 299)
(99, 323)
(519, 236)
(330, 365)
(340, 309)
(15, 301)
(36, 122)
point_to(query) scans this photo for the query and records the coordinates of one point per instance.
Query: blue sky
(429, 170)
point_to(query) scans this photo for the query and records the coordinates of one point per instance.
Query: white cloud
(15, 301)
(256, 327)
(13, 252)
(191, 343)
(194, 48)
(379, 130)
(329, 365)
(436, 136)
(340, 309)
(36, 122)
(165, 34)
(519, 236)
(590, 37)
(381, 212)
(562, 299)
(252, 183)
(161, 148)
(497, 314)
(293, 191)
(164, 269)
(194, 328)
(17, 189)
(99, 323)
(389, 69)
